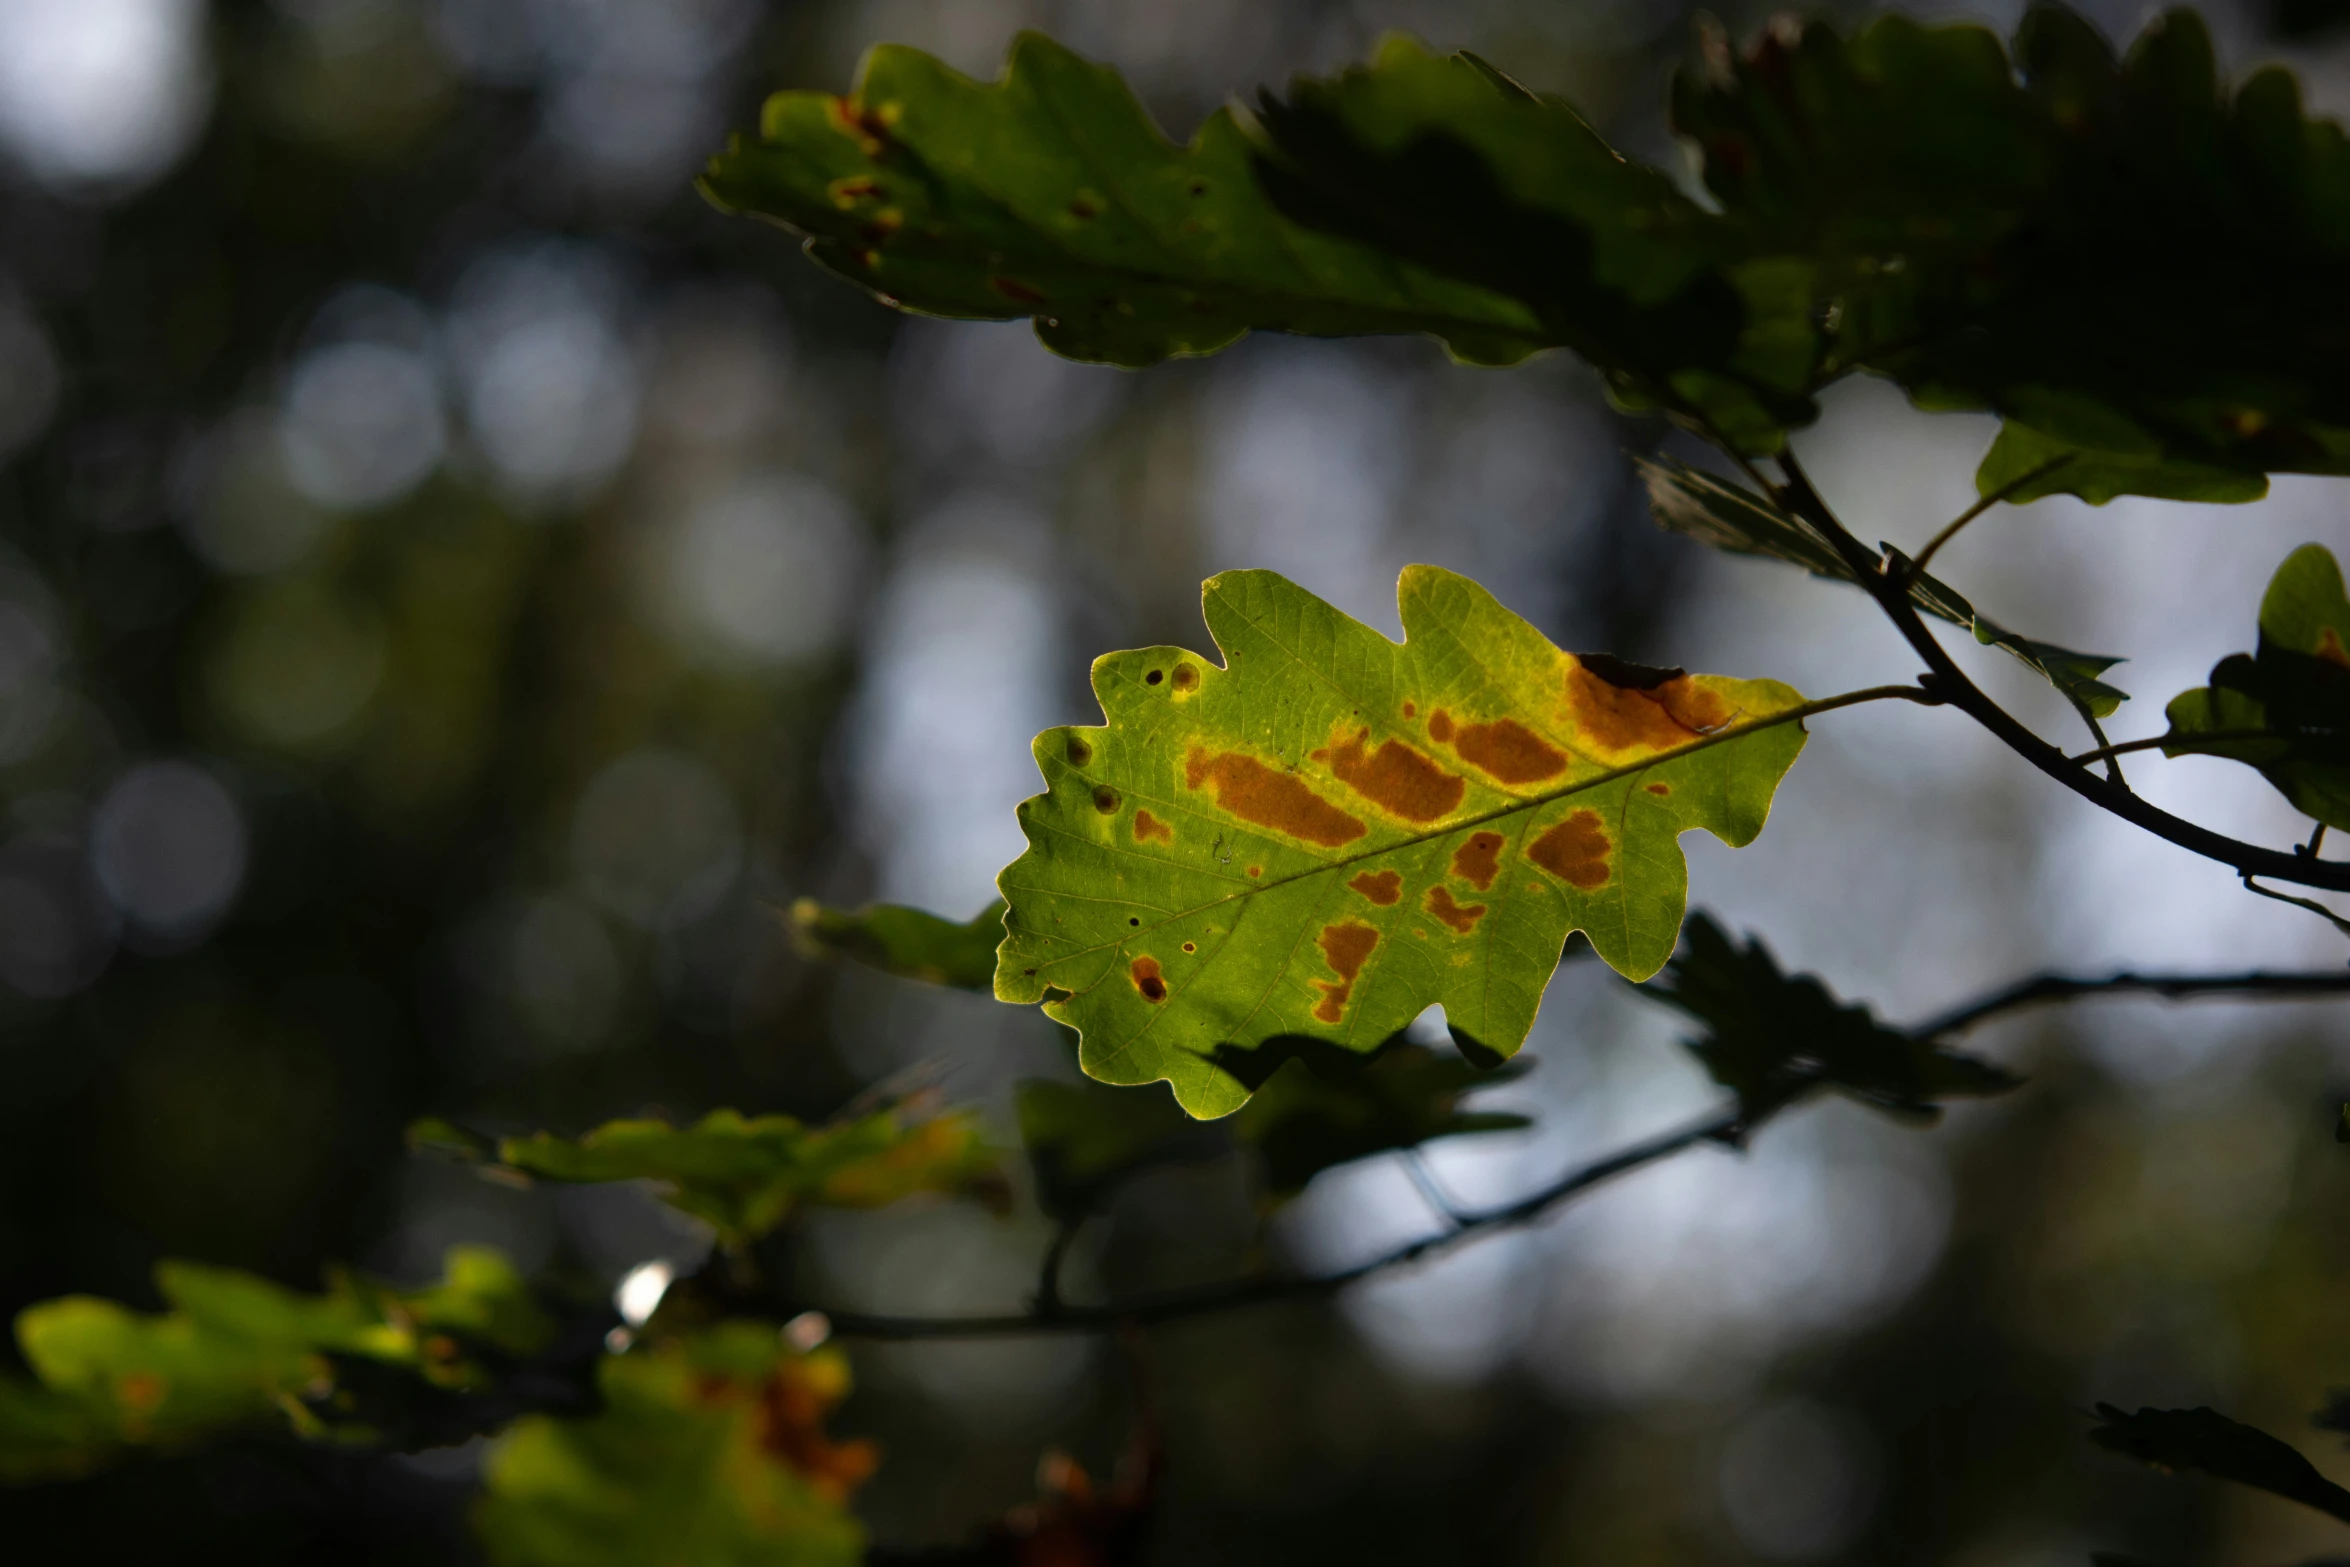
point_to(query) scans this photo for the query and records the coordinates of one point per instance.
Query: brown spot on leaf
(1144, 971)
(1250, 790)
(1479, 860)
(1148, 827)
(1660, 790)
(2330, 649)
(1396, 778)
(1079, 753)
(1256, 870)
(1439, 903)
(1346, 947)
(1575, 851)
(1410, 711)
(1671, 712)
(1084, 207)
(846, 193)
(1191, 946)
(1186, 678)
(1381, 887)
(1017, 292)
(1105, 799)
(1440, 726)
(1507, 750)
(869, 129)
(1199, 187)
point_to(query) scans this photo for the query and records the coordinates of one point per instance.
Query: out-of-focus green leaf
(2294, 692)
(1304, 1121)
(2206, 1440)
(710, 1451)
(1082, 1138)
(1331, 832)
(1773, 1037)
(2128, 262)
(898, 940)
(1730, 518)
(744, 1175)
(1051, 194)
(236, 1352)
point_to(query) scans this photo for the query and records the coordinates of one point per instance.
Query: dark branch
(1950, 683)
(2045, 988)
(1728, 1127)
(1263, 1289)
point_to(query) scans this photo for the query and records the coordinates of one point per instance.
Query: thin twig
(2173, 742)
(2311, 904)
(1917, 566)
(2040, 989)
(1950, 683)
(1048, 1272)
(1730, 1127)
(1263, 1289)
(2317, 841)
(1431, 1190)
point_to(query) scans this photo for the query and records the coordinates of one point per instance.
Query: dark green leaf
(745, 1175)
(2293, 693)
(1446, 163)
(909, 942)
(2124, 259)
(1084, 1137)
(1051, 194)
(1307, 1119)
(1772, 1037)
(709, 1451)
(1737, 520)
(2206, 1440)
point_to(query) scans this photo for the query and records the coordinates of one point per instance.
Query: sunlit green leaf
(1773, 1037)
(1737, 520)
(2204, 1439)
(2294, 692)
(1330, 831)
(744, 1175)
(910, 942)
(236, 1352)
(710, 1451)
(1051, 194)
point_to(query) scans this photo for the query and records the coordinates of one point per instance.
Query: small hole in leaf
(1133, 919)
(1154, 677)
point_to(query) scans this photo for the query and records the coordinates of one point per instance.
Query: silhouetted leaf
(1773, 1037)
(1728, 517)
(2206, 1440)
(1332, 832)
(1084, 1137)
(236, 1352)
(745, 1175)
(710, 1451)
(2294, 691)
(909, 942)
(2128, 263)
(1051, 194)
(1449, 164)
(1306, 1120)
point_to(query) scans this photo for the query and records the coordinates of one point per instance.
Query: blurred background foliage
(456, 590)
